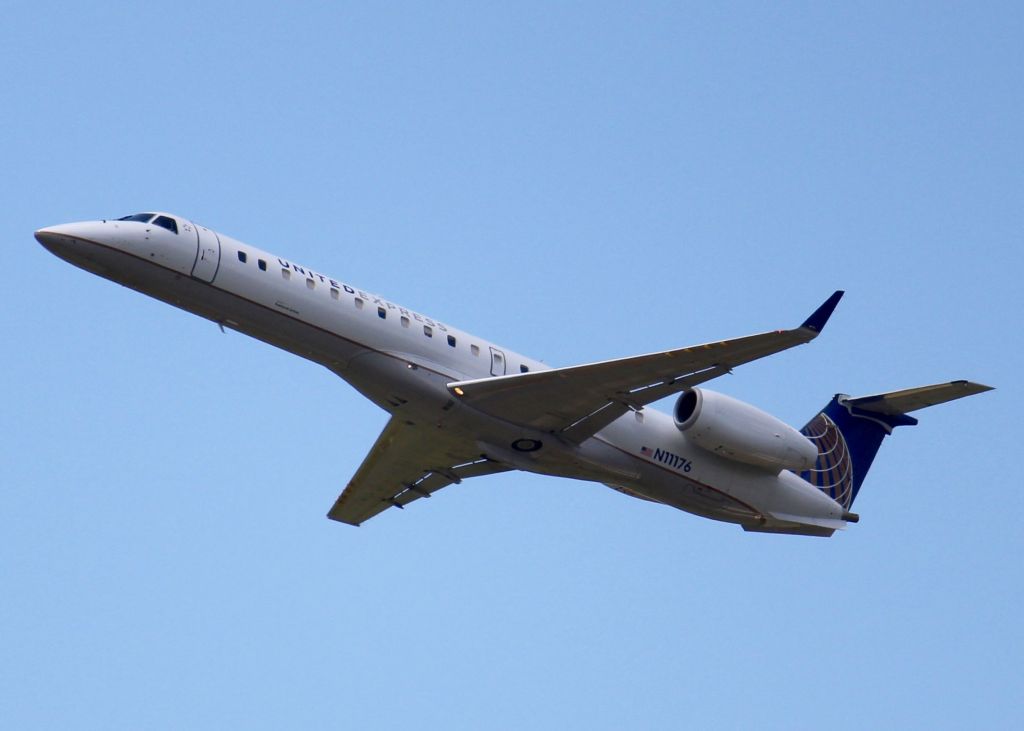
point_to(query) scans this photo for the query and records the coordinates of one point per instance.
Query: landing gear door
(207, 254)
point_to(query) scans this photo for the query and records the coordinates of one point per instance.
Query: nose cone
(57, 238)
(81, 244)
(76, 236)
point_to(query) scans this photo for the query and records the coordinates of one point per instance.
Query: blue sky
(576, 182)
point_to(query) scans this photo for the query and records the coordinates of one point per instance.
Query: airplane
(464, 407)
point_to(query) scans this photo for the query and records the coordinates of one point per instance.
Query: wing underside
(408, 462)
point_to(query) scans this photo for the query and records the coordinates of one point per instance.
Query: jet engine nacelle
(739, 431)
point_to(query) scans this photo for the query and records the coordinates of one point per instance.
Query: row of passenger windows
(382, 313)
(261, 263)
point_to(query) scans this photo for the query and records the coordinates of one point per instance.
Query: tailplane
(849, 431)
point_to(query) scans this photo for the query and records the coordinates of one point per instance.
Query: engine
(739, 431)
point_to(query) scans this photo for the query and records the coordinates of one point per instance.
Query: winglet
(820, 316)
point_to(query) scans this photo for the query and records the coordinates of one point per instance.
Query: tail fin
(849, 431)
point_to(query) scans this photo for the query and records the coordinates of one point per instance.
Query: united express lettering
(285, 264)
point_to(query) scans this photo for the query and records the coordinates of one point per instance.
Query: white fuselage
(403, 361)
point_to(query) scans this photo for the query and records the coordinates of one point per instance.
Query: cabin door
(497, 362)
(207, 254)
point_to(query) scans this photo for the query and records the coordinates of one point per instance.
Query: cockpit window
(141, 217)
(167, 222)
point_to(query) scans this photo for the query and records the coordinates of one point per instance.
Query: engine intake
(736, 430)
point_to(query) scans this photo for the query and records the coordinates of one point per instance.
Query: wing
(579, 401)
(406, 463)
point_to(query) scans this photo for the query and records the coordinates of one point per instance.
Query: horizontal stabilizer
(911, 399)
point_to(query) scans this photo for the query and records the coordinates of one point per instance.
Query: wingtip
(816, 322)
(973, 388)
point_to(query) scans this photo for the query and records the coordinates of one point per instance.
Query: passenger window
(428, 331)
(262, 264)
(335, 293)
(286, 273)
(475, 350)
(523, 369)
(168, 223)
(405, 321)
(241, 255)
(359, 303)
(310, 283)
(451, 340)
(382, 313)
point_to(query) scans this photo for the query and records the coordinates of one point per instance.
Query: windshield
(141, 217)
(167, 222)
(163, 221)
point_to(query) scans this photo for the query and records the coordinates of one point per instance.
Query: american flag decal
(645, 451)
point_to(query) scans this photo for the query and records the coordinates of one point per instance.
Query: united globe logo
(833, 470)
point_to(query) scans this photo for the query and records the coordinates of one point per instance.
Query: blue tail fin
(849, 431)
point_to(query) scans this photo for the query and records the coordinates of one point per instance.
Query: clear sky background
(576, 182)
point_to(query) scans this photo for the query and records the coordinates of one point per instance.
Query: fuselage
(403, 361)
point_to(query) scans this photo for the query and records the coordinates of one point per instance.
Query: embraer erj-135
(464, 407)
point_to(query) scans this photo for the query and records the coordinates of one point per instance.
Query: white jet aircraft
(464, 407)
